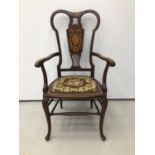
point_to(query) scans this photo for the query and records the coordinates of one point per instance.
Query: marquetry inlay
(75, 38)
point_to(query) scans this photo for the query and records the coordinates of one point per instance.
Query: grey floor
(78, 135)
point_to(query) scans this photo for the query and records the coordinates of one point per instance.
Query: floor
(78, 135)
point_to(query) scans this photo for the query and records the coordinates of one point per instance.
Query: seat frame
(75, 54)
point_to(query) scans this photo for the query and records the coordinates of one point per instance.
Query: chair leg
(103, 110)
(47, 114)
(91, 103)
(61, 104)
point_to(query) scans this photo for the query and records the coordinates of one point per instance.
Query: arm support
(41, 61)
(108, 60)
(111, 63)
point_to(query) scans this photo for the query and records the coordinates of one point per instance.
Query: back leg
(61, 104)
(91, 103)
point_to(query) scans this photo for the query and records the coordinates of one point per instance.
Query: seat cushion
(74, 84)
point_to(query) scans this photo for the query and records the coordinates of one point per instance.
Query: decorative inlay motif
(75, 38)
(74, 84)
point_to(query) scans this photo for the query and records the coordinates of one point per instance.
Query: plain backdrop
(114, 38)
(145, 32)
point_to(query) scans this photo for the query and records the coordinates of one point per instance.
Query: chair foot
(103, 138)
(47, 137)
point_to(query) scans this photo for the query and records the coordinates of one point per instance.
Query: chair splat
(75, 34)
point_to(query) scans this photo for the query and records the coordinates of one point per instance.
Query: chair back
(75, 37)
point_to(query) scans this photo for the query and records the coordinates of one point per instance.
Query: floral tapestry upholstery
(74, 84)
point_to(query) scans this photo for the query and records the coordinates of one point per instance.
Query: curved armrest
(108, 60)
(41, 61)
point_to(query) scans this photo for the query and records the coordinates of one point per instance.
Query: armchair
(75, 87)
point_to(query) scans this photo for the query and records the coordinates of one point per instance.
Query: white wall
(115, 39)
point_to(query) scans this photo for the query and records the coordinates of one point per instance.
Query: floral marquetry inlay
(75, 38)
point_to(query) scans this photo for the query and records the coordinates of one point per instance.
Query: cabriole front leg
(47, 114)
(104, 104)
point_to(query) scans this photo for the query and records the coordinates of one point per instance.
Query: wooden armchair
(75, 87)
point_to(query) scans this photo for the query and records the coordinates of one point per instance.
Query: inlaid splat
(75, 38)
(75, 42)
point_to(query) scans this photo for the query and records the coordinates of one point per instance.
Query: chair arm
(41, 61)
(108, 60)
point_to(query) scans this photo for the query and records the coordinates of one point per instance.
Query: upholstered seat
(76, 85)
